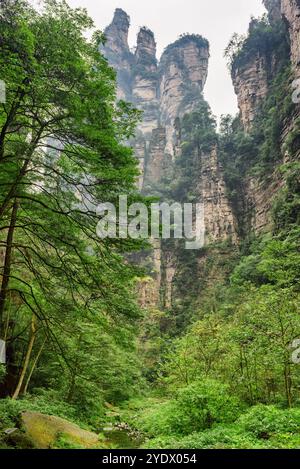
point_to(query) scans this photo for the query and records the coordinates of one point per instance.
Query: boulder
(48, 431)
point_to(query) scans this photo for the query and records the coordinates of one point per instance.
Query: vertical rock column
(144, 94)
(117, 51)
(183, 70)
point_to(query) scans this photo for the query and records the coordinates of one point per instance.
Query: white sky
(216, 20)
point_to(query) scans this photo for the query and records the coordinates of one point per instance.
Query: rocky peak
(117, 51)
(189, 55)
(117, 31)
(145, 81)
(183, 71)
(262, 55)
(146, 46)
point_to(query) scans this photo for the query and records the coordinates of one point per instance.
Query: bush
(202, 404)
(46, 403)
(195, 408)
(265, 421)
(217, 438)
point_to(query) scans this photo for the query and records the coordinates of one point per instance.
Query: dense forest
(88, 365)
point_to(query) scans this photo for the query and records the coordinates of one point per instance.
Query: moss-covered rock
(46, 432)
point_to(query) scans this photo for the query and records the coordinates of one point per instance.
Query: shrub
(202, 404)
(195, 408)
(222, 437)
(265, 421)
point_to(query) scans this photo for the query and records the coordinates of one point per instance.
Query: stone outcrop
(259, 198)
(274, 10)
(252, 84)
(157, 159)
(145, 81)
(165, 91)
(252, 79)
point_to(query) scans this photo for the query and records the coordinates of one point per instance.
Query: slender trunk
(287, 382)
(248, 375)
(27, 358)
(74, 375)
(33, 366)
(7, 262)
(71, 388)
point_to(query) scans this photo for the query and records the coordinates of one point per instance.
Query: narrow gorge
(167, 92)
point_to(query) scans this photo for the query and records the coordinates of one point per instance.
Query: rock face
(220, 224)
(274, 9)
(251, 84)
(252, 76)
(252, 80)
(145, 81)
(259, 197)
(290, 10)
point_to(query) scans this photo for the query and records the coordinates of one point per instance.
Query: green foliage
(194, 408)
(262, 39)
(46, 402)
(260, 427)
(221, 437)
(265, 421)
(202, 404)
(186, 38)
(286, 210)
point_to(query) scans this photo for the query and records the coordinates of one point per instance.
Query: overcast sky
(216, 20)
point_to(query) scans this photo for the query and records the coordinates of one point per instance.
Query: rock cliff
(290, 10)
(171, 88)
(251, 87)
(253, 78)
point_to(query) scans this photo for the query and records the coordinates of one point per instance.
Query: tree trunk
(27, 358)
(7, 262)
(33, 367)
(287, 382)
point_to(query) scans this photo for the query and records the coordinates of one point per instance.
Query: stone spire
(117, 32)
(146, 46)
(117, 51)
